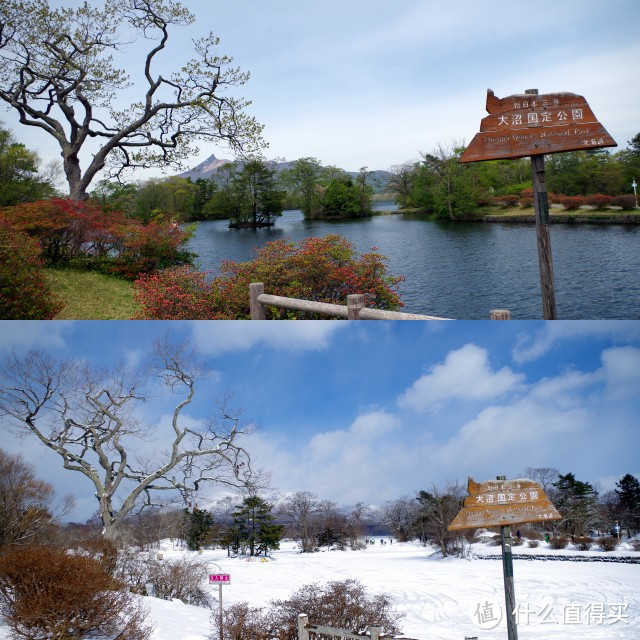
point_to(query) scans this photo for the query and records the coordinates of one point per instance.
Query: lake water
(462, 270)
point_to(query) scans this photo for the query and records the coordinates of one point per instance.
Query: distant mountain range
(210, 166)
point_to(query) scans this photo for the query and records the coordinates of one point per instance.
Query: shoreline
(514, 215)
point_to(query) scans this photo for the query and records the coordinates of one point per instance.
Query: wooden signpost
(220, 579)
(501, 503)
(531, 125)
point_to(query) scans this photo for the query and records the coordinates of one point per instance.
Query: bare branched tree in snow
(90, 419)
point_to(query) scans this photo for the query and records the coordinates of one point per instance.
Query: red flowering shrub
(599, 201)
(625, 202)
(143, 248)
(527, 193)
(69, 230)
(176, 294)
(24, 294)
(320, 269)
(508, 200)
(571, 203)
(526, 202)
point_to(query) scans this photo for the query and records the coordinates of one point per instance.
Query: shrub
(627, 202)
(571, 203)
(635, 545)
(526, 202)
(343, 605)
(608, 543)
(143, 248)
(533, 544)
(182, 579)
(24, 294)
(527, 193)
(583, 543)
(321, 269)
(508, 200)
(47, 594)
(599, 201)
(558, 543)
(176, 294)
(80, 231)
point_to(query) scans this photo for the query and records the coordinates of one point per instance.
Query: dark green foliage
(341, 199)
(253, 528)
(257, 198)
(19, 179)
(576, 501)
(200, 522)
(628, 492)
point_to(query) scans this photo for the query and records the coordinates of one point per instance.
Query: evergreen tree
(200, 521)
(628, 491)
(254, 529)
(577, 503)
(259, 200)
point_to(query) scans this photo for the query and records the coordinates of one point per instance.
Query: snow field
(442, 599)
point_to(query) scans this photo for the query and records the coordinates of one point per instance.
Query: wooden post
(257, 310)
(507, 571)
(499, 314)
(375, 632)
(303, 620)
(220, 612)
(355, 302)
(541, 204)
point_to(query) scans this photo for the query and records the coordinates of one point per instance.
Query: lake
(462, 270)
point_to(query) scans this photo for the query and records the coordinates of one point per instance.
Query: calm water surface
(462, 270)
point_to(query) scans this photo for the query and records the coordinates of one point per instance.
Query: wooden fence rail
(304, 629)
(354, 310)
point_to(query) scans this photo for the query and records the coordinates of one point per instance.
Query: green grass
(91, 296)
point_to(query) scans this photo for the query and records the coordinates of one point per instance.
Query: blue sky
(373, 85)
(374, 411)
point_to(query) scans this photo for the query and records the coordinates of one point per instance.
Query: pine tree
(200, 521)
(628, 490)
(576, 501)
(253, 527)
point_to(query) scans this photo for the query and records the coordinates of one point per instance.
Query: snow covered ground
(442, 599)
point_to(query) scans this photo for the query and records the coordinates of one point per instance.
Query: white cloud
(223, 336)
(21, 334)
(621, 371)
(533, 345)
(465, 374)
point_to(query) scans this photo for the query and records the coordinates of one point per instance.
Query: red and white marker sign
(219, 578)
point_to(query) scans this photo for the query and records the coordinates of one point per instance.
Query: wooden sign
(530, 124)
(500, 503)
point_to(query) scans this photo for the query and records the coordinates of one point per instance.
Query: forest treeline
(257, 191)
(254, 524)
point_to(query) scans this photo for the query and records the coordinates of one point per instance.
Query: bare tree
(301, 508)
(88, 418)
(57, 72)
(26, 504)
(402, 181)
(400, 516)
(544, 476)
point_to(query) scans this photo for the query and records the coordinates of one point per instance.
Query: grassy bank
(91, 296)
(556, 214)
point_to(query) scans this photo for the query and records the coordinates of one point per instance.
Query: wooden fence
(354, 310)
(304, 629)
